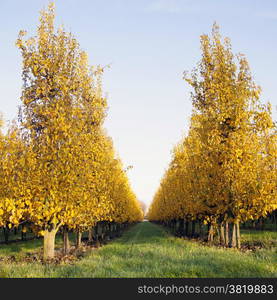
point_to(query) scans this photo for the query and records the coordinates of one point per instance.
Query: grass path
(147, 250)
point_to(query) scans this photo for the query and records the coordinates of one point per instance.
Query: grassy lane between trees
(147, 250)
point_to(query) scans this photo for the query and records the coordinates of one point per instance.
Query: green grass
(266, 238)
(19, 250)
(147, 250)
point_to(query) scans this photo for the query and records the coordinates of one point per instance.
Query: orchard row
(58, 167)
(224, 171)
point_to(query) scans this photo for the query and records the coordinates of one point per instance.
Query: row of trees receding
(225, 171)
(58, 168)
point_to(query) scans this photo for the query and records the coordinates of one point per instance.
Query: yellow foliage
(225, 169)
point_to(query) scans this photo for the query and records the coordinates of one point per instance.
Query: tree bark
(187, 229)
(200, 229)
(222, 234)
(49, 244)
(226, 234)
(181, 227)
(112, 230)
(211, 233)
(66, 243)
(254, 224)
(238, 234)
(90, 235)
(100, 231)
(6, 234)
(176, 227)
(78, 239)
(193, 229)
(234, 235)
(23, 236)
(96, 231)
(105, 231)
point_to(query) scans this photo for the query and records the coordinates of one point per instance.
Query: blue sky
(148, 44)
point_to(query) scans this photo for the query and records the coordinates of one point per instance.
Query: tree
(75, 179)
(225, 170)
(58, 87)
(143, 207)
(236, 124)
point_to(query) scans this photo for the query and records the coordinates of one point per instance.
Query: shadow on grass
(31, 245)
(22, 246)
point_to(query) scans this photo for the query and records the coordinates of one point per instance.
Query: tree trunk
(211, 233)
(187, 229)
(181, 227)
(234, 235)
(107, 232)
(176, 227)
(66, 243)
(200, 229)
(222, 234)
(49, 244)
(6, 234)
(209, 226)
(112, 231)
(238, 234)
(96, 231)
(99, 232)
(226, 234)
(193, 229)
(78, 239)
(23, 236)
(90, 235)
(254, 224)
(103, 233)
(217, 230)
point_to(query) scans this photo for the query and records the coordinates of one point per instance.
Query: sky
(148, 45)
